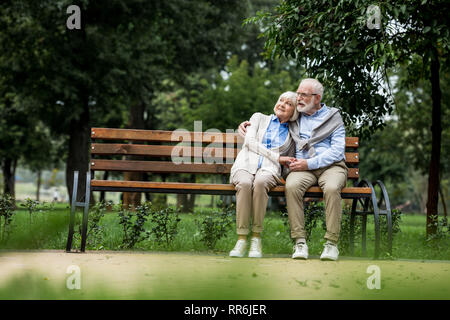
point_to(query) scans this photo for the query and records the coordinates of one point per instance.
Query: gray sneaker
(300, 251)
(330, 252)
(239, 249)
(255, 248)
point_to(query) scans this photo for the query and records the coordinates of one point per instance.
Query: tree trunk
(148, 196)
(186, 202)
(444, 205)
(132, 200)
(9, 176)
(38, 184)
(191, 202)
(436, 130)
(103, 193)
(181, 201)
(78, 156)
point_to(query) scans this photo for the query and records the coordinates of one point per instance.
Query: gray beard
(306, 108)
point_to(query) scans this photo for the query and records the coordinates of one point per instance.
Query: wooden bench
(206, 153)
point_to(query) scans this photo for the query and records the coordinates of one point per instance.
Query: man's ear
(318, 99)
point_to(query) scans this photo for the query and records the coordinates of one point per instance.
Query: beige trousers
(251, 199)
(331, 180)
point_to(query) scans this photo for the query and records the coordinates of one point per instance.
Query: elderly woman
(257, 169)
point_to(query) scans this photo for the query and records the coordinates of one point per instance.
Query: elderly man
(319, 135)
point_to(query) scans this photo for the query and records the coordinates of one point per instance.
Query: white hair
(292, 97)
(317, 86)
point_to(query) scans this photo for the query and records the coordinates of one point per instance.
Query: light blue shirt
(329, 150)
(275, 135)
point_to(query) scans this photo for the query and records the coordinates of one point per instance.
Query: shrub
(165, 225)
(32, 206)
(133, 224)
(7, 206)
(215, 225)
(95, 230)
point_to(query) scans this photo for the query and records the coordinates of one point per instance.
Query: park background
(165, 64)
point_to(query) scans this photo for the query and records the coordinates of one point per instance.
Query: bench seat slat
(207, 188)
(170, 167)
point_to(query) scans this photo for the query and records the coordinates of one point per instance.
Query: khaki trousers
(251, 199)
(331, 180)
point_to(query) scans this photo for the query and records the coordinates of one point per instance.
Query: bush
(166, 225)
(215, 225)
(32, 206)
(95, 230)
(133, 224)
(7, 207)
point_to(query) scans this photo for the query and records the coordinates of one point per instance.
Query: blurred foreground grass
(206, 276)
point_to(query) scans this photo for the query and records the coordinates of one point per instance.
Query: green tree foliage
(121, 55)
(233, 97)
(414, 107)
(399, 154)
(332, 40)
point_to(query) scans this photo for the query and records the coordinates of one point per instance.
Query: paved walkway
(163, 275)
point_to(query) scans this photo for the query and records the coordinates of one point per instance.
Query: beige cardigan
(248, 158)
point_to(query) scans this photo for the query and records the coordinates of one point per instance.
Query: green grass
(48, 230)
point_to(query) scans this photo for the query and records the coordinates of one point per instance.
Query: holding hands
(285, 160)
(293, 163)
(298, 165)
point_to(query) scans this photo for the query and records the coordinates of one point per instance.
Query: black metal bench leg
(72, 212)
(385, 198)
(376, 218)
(389, 221)
(352, 226)
(363, 234)
(86, 212)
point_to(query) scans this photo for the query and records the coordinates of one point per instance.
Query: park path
(160, 275)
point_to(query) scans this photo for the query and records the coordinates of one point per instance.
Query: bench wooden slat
(157, 166)
(159, 151)
(166, 151)
(164, 136)
(351, 142)
(170, 167)
(177, 136)
(229, 188)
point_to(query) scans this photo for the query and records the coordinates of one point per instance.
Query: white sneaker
(239, 249)
(300, 251)
(330, 252)
(255, 248)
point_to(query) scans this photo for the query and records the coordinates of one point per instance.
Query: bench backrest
(157, 151)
